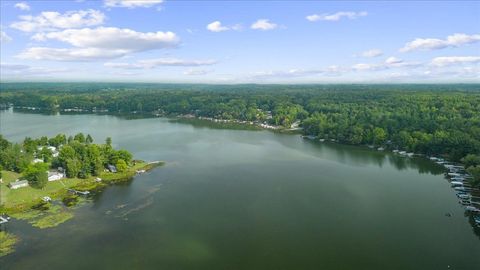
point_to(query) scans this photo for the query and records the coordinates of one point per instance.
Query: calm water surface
(232, 199)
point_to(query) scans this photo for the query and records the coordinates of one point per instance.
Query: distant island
(38, 172)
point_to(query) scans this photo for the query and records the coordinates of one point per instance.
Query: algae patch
(7, 242)
(51, 217)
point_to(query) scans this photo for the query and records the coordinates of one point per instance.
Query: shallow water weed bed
(53, 216)
(7, 242)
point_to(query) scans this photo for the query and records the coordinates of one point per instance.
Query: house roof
(19, 183)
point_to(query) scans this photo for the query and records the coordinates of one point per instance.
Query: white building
(18, 184)
(54, 176)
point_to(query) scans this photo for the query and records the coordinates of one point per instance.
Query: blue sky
(240, 42)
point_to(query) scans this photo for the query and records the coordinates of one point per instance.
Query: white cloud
(264, 25)
(454, 60)
(196, 72)
(22, 6)
(217, 26)
(372, 53)
(336, 16)
(4, 37)
(99, 43)
(389, 63)
(296, 73)
(393, 60)
(132, 3)
(153, 63)
(454, 40)
(52, 20)
(368, 67)
(26, 70)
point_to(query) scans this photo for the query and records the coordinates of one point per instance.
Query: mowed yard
(26, 195)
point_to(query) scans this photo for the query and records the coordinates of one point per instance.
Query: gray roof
(18, 183)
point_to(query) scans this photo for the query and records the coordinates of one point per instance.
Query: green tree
(79, 137)
(89, 139)
(45, 154)
(121, 165)
(379, 136)
(73, 167)
(474, 171)
(471, 160)
(125, 155)
(36, 174)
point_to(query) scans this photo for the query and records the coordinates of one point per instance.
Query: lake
(238, 199)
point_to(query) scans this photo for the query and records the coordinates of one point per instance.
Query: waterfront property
(55, 175)
(18, 184)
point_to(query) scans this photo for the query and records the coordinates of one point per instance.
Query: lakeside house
(112, 168)
(55, 175)
(18, 184)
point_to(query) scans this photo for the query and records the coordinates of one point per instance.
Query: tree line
(441, 120)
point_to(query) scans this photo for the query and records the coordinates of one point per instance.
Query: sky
(240, 41)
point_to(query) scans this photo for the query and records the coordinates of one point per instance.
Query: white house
(54, 176)
(18, 184)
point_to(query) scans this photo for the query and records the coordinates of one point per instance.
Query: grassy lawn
(11, 198)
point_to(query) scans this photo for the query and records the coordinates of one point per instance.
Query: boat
(477, 220)
(456, 183)
(465, 202)
(464, 196)
(470, 208)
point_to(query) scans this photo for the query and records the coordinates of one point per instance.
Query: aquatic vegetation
(53, 216)
(7, 242)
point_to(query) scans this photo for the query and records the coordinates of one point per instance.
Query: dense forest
(441, 120)
(76, 155)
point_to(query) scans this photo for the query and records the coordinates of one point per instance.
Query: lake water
(236, 199)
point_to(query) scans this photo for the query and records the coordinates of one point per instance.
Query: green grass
(7, 241)
(24, 198)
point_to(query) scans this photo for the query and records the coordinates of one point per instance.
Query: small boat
(456, 184)
(477, 220)
(459, 188)
(321, 140)
(464, 196)
(465, 202)
(472, 209)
